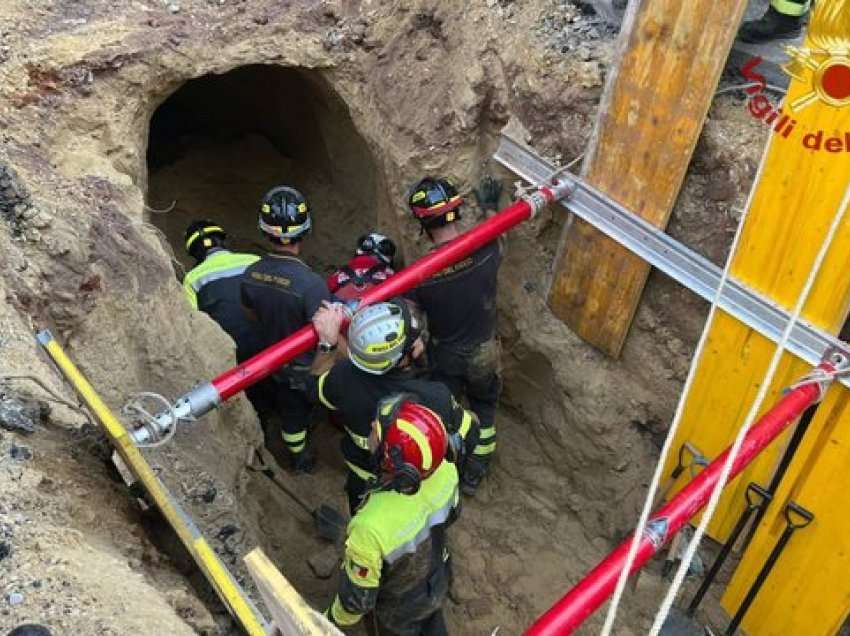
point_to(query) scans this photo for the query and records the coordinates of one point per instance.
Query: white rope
(611, 616)
(713, 502)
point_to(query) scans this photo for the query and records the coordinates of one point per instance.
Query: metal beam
(679, 262)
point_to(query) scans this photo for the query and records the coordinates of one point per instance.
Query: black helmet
(378, 246)
(434, 202)
(30, 629)
(201, 236)
(284, 215)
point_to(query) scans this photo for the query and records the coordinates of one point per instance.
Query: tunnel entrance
(221, 141)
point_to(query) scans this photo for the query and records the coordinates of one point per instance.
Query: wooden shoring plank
(650, 118)
(291, 615)
(808, 591)
(797, 196)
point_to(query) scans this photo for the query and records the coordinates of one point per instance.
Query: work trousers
(473, 372)
(794, 8)
(293, 408)
(417, 613)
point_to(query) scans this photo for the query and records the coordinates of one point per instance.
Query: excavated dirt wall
(354, 100)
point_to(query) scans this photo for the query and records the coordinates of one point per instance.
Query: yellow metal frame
(228, 590)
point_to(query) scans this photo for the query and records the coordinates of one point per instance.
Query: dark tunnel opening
(220, 142)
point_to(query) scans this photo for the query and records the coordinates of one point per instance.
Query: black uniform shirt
(284, 293)
(461, 300)
(355, 395)
(220, 299)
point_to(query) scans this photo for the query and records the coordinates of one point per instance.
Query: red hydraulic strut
(203, 398)
(593, 590)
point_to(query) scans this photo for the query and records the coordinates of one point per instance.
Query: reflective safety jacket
(213, 286)
(396, 544)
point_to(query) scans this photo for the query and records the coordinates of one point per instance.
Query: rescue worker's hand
(327, 321)
(488, 192)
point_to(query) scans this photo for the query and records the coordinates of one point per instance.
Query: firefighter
(214, 287)
(460, 303)
(783, 19)
(383, 342)
(281, 293)
(372, 264)
(396, 564)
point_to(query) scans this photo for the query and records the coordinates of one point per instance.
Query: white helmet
(380, 335)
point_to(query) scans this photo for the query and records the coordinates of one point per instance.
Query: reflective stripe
(421, 441)
(376, 366)
(209, 229)
(484, 449)
(360, 472)
(219, 264)
(291, 438)
(217, 275)
(487, 433)
(359, 440)
(322, 397)
(790, 7)
(295, 441)
(465, 424)
(342, 616)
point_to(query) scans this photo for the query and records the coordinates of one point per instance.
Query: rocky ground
(422, 87)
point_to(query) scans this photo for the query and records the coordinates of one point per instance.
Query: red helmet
(413, 441)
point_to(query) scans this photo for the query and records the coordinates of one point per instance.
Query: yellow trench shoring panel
(219, 577)
(808, 591)
(797, 196)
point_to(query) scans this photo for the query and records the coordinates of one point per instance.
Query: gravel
(572, 27)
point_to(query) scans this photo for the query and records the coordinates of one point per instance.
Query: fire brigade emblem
(825, 63)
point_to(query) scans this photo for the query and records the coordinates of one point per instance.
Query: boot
(474, 470)
(771, 26)
(302, 462)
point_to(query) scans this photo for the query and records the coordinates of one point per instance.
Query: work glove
(488, 192)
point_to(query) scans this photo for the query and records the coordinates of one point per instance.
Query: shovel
(330, 524)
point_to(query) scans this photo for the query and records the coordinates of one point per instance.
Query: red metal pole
(269, 360)
(205, 397)
(595, 588)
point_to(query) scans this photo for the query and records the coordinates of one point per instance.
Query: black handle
(753, 490)
(794, 507)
